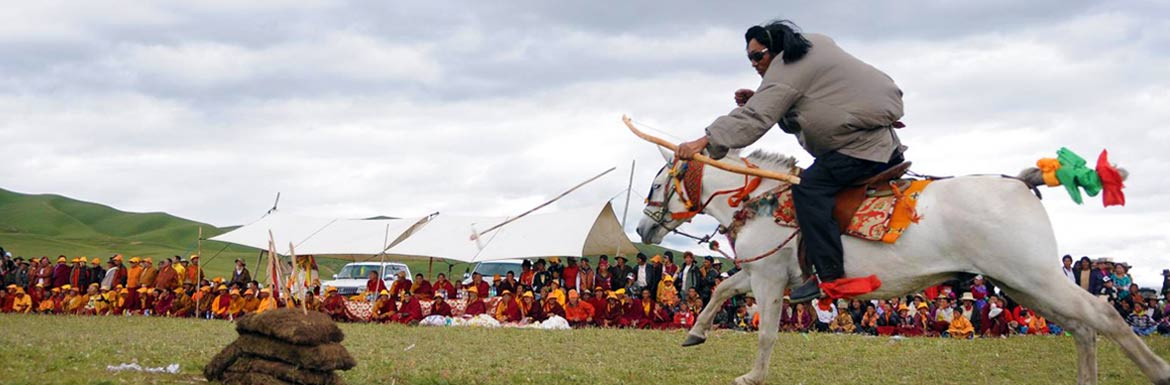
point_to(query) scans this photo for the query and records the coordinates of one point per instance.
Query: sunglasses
(756, 56)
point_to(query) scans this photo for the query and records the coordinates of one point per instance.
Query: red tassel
(851, 287)
(1111, 182)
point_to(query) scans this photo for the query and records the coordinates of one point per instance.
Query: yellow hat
(55, 290)
(179, 291)
(74, 260)
(235, 292)
(118, 257)
(143, 290)
(124, 291)
(221, 287)
(621, 291)
(93, 284)
(656, 259)
(19, 290)
(383, 292)
(118, 286)
(97, 261)
(903, 307)
(249, 292)
(217, 280)
(554, 260)
(265, 291)
(668, 278)
(66, 287)
(205, 289)
(528, 294)
(506, 292)
(612, 296)
(61, 259)
(496, 278)
(922, 306)
(473, 290)
(194, 256)
(12, 286)
(148, 260)
(330, 288)
(135, 259)
(40, 285)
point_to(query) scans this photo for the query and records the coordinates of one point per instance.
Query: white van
(353, 276)
(490, 268)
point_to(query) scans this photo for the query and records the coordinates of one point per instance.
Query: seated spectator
(410, 312)
(579, 313)
(1108, 291)
(374, 286)
(267, 302)
(920, 324)
(960, 327)
(334, 304)
(402, 284)
(613, 311)
(802, 319)
(443, 286)
(162, 305)
(551, 307)
(994, 319)
(667, 294)
(529, 309)
(220, 305)
(440, 306)
(826, 311)
(508, 310)
(943, 315)
(556, 292)
(475, 305)
(1141, 322)
(251, 303)
(1033, 324)
(236, 310)
(421, 288)
(384, 308)
(1121, 280)
(869, 320)
(843, 323)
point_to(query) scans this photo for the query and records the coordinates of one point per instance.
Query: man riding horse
(841, 110)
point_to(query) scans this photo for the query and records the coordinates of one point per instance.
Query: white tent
(320, 236)
(571, 233)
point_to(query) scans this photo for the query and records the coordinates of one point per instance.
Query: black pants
(814, 199)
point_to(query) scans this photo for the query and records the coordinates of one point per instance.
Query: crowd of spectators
(653, 292)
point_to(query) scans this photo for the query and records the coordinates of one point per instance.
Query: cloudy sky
(207, 109)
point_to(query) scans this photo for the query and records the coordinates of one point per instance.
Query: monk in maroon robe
(334, 305)
(384, 308)
(411, 310)
(475, 306)
(443, 286)
(441, 307)
(550, 308)
(612, 316)
(508, 310)
(375, 284)
(422, 288)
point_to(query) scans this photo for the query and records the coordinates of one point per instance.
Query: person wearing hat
(251, 303)
(60, 273)
(221, 304)
(579, 313)
(411, 310)
(666, 293)
(240, 275)
(77, 300)
(530, 310)
(236, 309)
(384, 308)
(20, 302)
(267, 301)
(917, 324)
(1108, 290)
(441, 307)
(968, 308)
(1121, 280)
(180, 266)
(193, 273)
(613, 312)
(401, 285)
(507, 310)
(45, 306)
(149, 273)
(97, 273)
(78, 273)
(182, 306)
(38, 295)
(134, 274)
(475, 305)
(112, 274)
(334, 304)
(1103, 268)
(619, 273)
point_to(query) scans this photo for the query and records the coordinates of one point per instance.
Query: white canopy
(571, 233)
(320, 236)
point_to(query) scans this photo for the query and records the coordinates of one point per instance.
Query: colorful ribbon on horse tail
(1111, 181)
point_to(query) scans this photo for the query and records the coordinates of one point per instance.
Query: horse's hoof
(693, 340)
(745, 380)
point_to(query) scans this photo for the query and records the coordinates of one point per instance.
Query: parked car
(353, 276)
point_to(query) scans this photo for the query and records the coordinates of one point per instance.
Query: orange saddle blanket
(879, 218)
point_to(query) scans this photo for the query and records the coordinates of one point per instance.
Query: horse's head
(662, 202)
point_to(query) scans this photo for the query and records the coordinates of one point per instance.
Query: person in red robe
(637, 312)
(508, 310)
(411, 310)
(162, 305)
(480, 286)
(334, 305)
(529, 309)
(443, 287)
(552, 307)
(401, 284)
(612, 316)
(422, 288)
(475, 305)
(441, 307)
(374, 285)
(384, 308)
(597, 300)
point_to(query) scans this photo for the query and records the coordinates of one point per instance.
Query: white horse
(986, 225)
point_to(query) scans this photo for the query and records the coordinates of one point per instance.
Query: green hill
(34, 225)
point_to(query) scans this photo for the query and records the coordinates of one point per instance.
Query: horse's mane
(772, 161)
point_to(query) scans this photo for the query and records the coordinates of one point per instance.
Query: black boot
(808, 291)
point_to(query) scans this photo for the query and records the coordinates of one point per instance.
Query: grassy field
(76, 350)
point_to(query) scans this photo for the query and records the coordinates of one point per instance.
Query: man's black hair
(781, 37)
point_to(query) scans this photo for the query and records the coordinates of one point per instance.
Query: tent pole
(431, 267)
(626, 210)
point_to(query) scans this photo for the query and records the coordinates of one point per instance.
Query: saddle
(851, 198)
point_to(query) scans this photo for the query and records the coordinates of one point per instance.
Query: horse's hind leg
(1052, 295)
(737, 284)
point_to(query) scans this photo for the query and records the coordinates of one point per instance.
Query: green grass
(76, 350)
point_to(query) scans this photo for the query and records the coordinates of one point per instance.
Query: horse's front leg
(768, 292)
(735, 285)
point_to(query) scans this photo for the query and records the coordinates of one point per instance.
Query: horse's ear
(666, 153)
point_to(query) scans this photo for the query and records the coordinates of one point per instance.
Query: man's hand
(742, 95)
(687, 150)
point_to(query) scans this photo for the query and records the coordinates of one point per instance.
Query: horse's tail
(1035, 178)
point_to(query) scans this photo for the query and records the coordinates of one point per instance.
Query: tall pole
(198, 277)
(626, 210)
